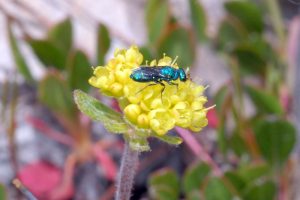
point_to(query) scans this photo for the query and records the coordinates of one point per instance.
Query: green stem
(126, 173)
(276, 19)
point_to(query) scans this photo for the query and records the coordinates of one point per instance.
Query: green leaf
(253, 55)
(56, 95)
(194, 176)
(198, 19)
(48, 53)
(103, 43)
(194, 195)
(61, 35)
(264, 101)
(263, 191)
(79, 71)
(18, 57)
(164, 185)
(251, 173)
(235, 180)
(250, 61)
(220, 98)
(157, 18)
(173, 140)
(2, 192)
(230, 33)
(237, 144)
(247, 13)
(178, 43)
(97, 111)
(276, 140)
(216, 190)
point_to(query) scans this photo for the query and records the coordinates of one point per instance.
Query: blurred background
(246, 51)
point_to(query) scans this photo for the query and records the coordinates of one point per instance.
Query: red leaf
(40, 177)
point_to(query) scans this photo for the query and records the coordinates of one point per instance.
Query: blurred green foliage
(260, 144)
(2, 192)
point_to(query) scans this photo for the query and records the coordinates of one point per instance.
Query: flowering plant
(147, 110)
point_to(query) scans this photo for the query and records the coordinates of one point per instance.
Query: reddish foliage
(40, 177)
(212, 118)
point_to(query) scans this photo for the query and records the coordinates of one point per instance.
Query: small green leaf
(164, 185)
(262, 191)
(264, 101)
(276, 140)
(79, 71)
(237, 144)
(250, 61)
(56, 95)
(198, 19)
(220, 98)
(157, 18)
(251, 173)
(230, 33)
(216, 190)
(97, 111)
(173, 140)
(194, 176)
(48, 53)
(61, 35)
(18, 57)
(2, 192)
(247, 13)
(178, 43)
(103, 43)
(235, 180)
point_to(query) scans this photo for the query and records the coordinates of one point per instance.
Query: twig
(126, 173)
(105, 161)
(25, 192)
(49, 131)
(198, 150)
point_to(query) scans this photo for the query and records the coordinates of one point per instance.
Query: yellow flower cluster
(145, 107)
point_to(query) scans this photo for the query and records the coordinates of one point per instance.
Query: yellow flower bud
(116, 89)
(133, 55)
(132, 111)
(103, 79)
(161, 121)
(165, 61)
(198, 120)
(153, 63)
(143, 121)
(197, 105)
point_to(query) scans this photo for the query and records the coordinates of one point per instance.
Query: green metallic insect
(158, 74)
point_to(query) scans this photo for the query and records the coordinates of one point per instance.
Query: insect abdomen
(139, 76)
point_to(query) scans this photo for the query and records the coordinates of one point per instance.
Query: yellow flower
(146, 107)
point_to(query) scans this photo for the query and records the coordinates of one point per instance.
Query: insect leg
(172, 83)
(163, 89)
(146, 87)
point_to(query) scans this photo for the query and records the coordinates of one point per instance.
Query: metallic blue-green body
(158, 74)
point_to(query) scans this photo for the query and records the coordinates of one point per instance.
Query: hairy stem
(126, 173)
